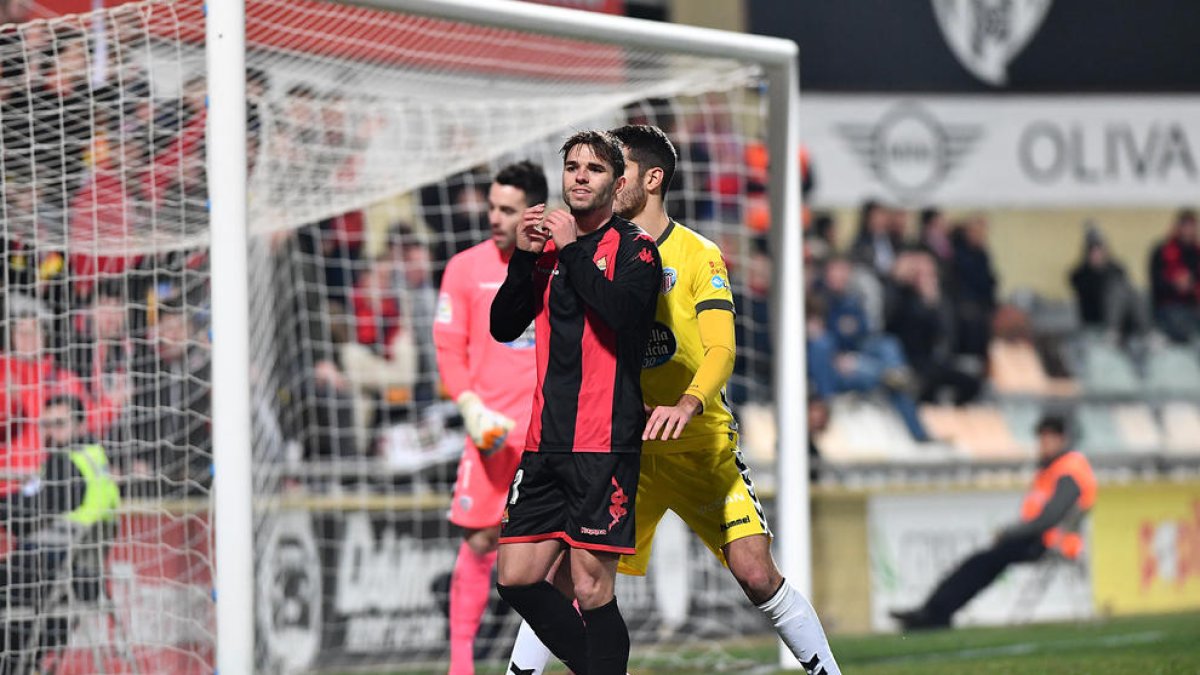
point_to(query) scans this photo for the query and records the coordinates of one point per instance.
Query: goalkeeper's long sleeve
(453, 362)
(717, 339)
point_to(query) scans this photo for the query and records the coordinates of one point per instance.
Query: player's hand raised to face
(532, 234)
(562, 227)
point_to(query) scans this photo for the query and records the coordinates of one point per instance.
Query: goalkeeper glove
(487, 428)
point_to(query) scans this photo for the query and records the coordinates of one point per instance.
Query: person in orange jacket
(1052, 513)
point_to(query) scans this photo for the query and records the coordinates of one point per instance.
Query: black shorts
(584, 499)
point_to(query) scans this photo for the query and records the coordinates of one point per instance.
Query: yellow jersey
(694, 280)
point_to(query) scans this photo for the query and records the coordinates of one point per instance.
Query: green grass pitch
(1151, 645)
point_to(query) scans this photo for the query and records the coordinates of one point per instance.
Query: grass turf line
(1150, 645)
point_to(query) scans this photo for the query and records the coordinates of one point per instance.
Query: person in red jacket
(1052, 513)
(28, 376)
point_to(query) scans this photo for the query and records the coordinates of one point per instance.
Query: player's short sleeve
(454, 302)
(710, 280)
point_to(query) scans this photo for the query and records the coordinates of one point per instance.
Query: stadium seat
(1107, 370)
(1138, 429)
(1173, 370)
(1098, 433)
(1181, 428)
(1016, 368)
(865, 430)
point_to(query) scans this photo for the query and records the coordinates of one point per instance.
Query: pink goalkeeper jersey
(469, 359)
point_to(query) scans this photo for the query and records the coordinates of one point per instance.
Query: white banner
(917, 539)
(1012, 151)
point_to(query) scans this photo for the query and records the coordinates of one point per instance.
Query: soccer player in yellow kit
(691, 463)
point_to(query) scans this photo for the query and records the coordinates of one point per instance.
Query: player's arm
(1066, 493)
(515, 306)
(622, 301)
(717, 340)
(487, 428)
(708, 283)
(451, 327)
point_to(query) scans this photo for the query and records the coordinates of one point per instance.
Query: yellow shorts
(710, 490)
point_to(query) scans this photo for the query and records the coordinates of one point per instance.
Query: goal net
(373, 136)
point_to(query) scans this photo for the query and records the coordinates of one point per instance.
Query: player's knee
(592, 592)
(483, 542)
(758, 580)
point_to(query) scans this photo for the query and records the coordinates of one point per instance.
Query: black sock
(607, 640)
(554, 619)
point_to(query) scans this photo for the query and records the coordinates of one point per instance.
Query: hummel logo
(516, 670)
(813, 666)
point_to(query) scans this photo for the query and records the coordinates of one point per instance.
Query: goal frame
(233, 502)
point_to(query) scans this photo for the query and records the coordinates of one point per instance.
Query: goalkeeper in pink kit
(493, 384)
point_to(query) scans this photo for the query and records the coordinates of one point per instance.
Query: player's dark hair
(650, 148)
(527, 177)
(602, 144)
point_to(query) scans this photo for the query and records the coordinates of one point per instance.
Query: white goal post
(234, 498)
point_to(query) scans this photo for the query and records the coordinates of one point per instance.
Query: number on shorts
(512, 499)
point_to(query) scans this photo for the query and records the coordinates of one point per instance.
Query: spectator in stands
(314, 400)
(845, 355)
(28, 375)
(382, 359)
(101, 351)
(975, 286)
(420, 299)
(171, 415)
(1106, 300)
(1052, 514)
(922, 318)
(71, 502)
(934, 237)
(1175, 280)
(874, 246)
(57, 109)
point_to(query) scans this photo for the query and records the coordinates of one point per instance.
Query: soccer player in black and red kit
(589, 280)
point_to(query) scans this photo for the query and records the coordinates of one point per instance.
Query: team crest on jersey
(670, 276)
(602, 264)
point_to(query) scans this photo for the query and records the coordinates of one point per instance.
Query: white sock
(797, 624)
(529, 655)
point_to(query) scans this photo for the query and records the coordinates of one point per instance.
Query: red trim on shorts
(533, 538)
(566, 539)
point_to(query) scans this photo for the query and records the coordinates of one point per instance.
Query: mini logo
(646, 256)
(909, 150)
(465, 503)
(744, 520)
(718, 282)
(445, 309)
(593, 531)
(670, 276)
(548, 271)
(602, 264)
(616, 507)
(986, 35)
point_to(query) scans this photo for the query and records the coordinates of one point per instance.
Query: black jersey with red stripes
(593, 306)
